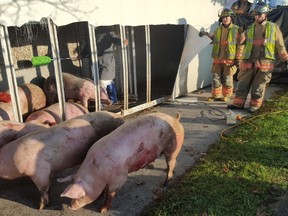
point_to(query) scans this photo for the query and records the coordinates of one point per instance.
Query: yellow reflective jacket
(231, 42)
(269, 42)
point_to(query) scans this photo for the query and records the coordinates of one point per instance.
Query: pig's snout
(74, 205)
(78, 203)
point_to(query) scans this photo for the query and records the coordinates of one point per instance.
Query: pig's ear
(65, 179)
(49, 123)
(74, 191)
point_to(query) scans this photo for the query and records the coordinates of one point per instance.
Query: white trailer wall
(109, 12)
(200, 14)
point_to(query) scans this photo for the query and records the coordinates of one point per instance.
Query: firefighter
(241, 7)
(224, 53)
(260, 41)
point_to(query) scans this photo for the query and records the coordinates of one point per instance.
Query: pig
(31, 98)
(130, 147)
(12, 130)
(37, 155)
(75, 88)
(51, 115)
(6, 111)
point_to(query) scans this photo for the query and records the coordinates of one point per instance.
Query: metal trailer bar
(10, 71)
(148, 63)
(94, 66)
(125, 67)
(142, 106)
(57, 67)
(132, 63)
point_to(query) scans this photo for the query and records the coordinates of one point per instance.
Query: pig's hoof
(44, 201)
(41, 206)
(103, 210)
(72, 208)
(166, 184)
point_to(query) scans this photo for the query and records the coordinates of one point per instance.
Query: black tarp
(280, 17)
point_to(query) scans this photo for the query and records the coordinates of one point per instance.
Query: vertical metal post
(132, 63)
(125, 67)
(94, 66)
(10, 71)
(148, 63)
(57, 67)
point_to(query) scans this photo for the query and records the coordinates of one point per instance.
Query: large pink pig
(75, 88)
(130, 147)
(12, 130)
(37, 155)
(31, 98)
(51, 115)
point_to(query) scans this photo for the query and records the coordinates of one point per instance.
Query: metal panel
(132, 65)
(125, 67)
(148, 63)
(10, 72)
(94, 67)
(57, 67)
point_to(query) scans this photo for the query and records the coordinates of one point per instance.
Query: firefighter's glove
(202, 33)
(237, 62)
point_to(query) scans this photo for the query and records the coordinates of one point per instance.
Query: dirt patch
(280, 208)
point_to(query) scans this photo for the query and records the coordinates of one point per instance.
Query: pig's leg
(172, 153)
(42, 180)
(78, 203)
(65, 179)
(171, 163)
(111, 190)
(84, 102)
(50, 98)
(104, 96)
(105, 207)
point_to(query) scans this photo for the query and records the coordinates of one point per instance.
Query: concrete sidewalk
(203, 122)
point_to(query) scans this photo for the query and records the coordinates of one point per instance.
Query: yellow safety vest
(270, 38)
(231, 42)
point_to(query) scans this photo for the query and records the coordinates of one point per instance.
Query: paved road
(203, 122)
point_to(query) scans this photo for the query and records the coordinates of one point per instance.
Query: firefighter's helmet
(226, 12)
(260, 8)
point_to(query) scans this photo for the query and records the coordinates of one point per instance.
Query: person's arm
(280, 45)
(115, 39)
(240, 44)
(236, 8)
(84, 50)
(202, 33)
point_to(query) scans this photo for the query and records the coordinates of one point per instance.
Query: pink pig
(75, 88)
(31, 98)
(51, 115)
(12, 130)
(39, 154)
(130, 147)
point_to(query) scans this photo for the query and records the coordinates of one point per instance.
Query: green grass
(241, 175)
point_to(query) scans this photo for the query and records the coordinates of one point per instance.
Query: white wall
(109, 12)
(201, 14)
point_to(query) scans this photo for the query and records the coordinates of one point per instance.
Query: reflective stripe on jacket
(224, 61)
(268, 42)
(231, 42)
(264, 66)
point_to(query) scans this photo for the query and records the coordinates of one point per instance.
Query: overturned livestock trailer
(146, 70)
(165, 57)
